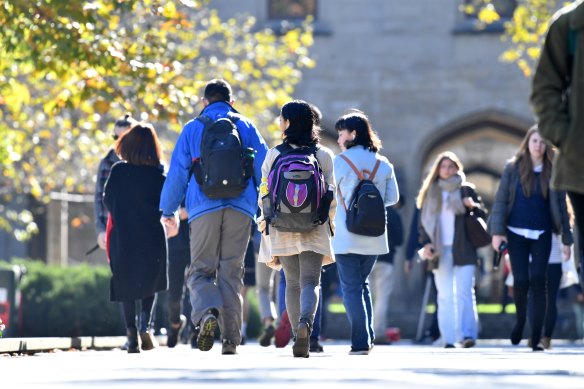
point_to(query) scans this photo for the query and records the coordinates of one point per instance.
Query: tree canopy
(69, 69)
(525, 30)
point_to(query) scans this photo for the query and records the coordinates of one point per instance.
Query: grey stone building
(427, 75)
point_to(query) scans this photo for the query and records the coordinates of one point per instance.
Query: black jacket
(136, 243)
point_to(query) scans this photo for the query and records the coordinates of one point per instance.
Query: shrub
(67, 301)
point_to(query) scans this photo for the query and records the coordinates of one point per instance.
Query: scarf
(432, 206)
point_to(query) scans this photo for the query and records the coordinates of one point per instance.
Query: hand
(261, 222)
(171, 231)
(183, 214)
(101, 240)
(429, 251)
(469, 202)
(170, 224)
(496, 241)
(566, 252)
(169, 220)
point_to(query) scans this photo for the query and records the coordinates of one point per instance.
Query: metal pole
(422, 318)
(64, 231)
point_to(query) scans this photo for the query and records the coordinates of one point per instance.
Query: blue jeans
(354, 272)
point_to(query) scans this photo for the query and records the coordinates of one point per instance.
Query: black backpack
(224, 167)
(366, 211)
(297, 199)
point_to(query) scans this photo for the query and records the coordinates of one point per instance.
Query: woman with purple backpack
(298, 209)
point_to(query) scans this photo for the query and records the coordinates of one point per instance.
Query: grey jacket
(505, 198)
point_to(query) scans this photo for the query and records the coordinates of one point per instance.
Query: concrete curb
(33, 345)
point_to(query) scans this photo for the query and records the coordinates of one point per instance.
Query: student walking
(217, 162)
(136, 242)
(525, 213)
(356, 250)
(444, 200)
(297, 215)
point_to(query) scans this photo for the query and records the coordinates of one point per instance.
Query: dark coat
(559, 107)
(395, 234)
(463, 251)
(505, 199)
(136, 244)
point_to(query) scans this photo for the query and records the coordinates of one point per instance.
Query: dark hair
(140, 145)
(303, 118)
(217, 90)
(365, 135)
(125, 121)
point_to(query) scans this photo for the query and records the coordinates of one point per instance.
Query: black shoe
(174, 330)
(301, 347)
(516, 334)
(315, 346)
(207, 328)
(267, 335)
(229, 348)
(449, 345)
(132, 334)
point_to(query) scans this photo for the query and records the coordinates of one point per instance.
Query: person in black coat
(136, 242)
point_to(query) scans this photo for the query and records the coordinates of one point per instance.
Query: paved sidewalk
(489, 365)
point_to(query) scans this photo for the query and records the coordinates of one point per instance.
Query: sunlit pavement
(488, 365)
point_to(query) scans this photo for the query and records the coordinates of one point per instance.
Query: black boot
(132, 335)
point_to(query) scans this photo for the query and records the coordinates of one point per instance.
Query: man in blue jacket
(219, 227)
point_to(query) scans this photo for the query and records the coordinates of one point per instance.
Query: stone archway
(483, 141)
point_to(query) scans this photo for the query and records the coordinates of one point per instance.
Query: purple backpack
(296, 190)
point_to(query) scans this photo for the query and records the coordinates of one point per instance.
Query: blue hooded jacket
(188, 147)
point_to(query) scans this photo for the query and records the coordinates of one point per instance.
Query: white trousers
(457, 308)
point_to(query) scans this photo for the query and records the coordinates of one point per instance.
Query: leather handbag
(476, 230)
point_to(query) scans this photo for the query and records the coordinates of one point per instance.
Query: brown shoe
(546, 342)
(148, 341)
(468, 343)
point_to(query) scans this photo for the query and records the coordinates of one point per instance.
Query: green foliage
(70, 301)
(525, 31)
(68, 69)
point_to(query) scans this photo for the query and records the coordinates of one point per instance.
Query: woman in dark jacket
(136, 243)
(524, 215)
(444, 200)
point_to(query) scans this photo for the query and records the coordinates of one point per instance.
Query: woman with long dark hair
(525, 214)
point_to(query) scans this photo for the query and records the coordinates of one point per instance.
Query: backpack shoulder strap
(352, 165)
(206, 120)
(375, 168)
(283, 147)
